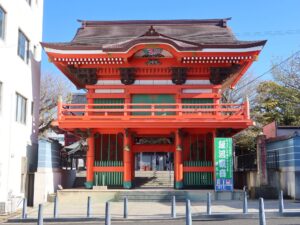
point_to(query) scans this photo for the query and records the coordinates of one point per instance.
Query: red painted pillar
(90, 158)
(178, 167)
(214, 135)
(132, 166)
(127, 183)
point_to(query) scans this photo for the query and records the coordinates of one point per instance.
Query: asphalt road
(277, 221)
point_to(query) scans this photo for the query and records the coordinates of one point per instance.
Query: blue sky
(277, 21)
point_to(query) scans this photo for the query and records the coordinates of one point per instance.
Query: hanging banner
(223, 164)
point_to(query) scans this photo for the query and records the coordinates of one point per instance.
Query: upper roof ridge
(218, 22)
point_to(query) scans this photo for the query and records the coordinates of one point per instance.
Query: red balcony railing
(153, 111)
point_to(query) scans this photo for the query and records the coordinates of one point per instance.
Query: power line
(268, 71)
(269, 33)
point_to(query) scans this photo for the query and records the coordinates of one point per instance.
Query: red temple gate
(153, 86)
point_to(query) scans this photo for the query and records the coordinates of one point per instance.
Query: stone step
(151, 196)
(153, 180)
(141, 181)
(155, 185)
(157, 176)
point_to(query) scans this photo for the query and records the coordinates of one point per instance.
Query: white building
(20, 61)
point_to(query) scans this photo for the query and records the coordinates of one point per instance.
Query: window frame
(26, 46)
(21, 108)
(3, 25)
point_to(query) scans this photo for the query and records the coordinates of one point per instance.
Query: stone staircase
(154, 179)
(151, 195)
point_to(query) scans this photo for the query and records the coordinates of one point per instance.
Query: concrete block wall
(286, 178)
(49, 174)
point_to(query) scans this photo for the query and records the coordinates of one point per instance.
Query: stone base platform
(144, 195)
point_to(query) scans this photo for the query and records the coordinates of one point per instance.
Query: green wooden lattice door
(153, 99)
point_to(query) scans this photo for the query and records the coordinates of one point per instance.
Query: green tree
(274, 102)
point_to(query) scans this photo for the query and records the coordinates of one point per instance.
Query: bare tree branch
(51, 88)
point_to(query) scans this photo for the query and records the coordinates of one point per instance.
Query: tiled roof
(186, 34)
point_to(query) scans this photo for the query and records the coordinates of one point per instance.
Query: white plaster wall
(47, 181)
(287, 183)
(18, 76)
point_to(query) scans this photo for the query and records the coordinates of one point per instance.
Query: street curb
(196, 217)
(269, 215)
(92, 219)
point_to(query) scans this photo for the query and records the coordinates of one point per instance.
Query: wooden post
(127, 160)
(89, 101)
(59, 107)
(90, 158)
(178, 167)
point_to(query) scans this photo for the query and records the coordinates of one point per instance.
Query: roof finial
(151, 32)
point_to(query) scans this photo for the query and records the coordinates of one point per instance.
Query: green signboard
(223, 164)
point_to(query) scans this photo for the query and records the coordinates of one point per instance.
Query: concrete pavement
(158, 210)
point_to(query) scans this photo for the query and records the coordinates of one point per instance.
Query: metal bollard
(281, 204)
(173, 207)
(125, 208)
(103, 179)
(107, 214)
(40, 215)
(24, 210)
(245, 203)
(262, 216)
(208, 203)
(188, 214)
(88, 208)
(55, 207)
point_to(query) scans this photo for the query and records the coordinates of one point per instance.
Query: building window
(21, 109)
(1, 96)
(29, 2)
(23, 46)
(2, 23)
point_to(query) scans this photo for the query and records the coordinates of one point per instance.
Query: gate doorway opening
(154, 161)
(154, 170)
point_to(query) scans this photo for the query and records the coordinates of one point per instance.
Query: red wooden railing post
(90, 101)
(218, 108)
(125, 110)
(152, 110)
(180, 109)
(59, 107)
(247, 108)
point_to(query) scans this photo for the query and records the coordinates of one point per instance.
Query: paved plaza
(158, 210)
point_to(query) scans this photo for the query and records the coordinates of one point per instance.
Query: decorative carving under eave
(219, 74)
(127, 75)
(86, 76)
(179, 75)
